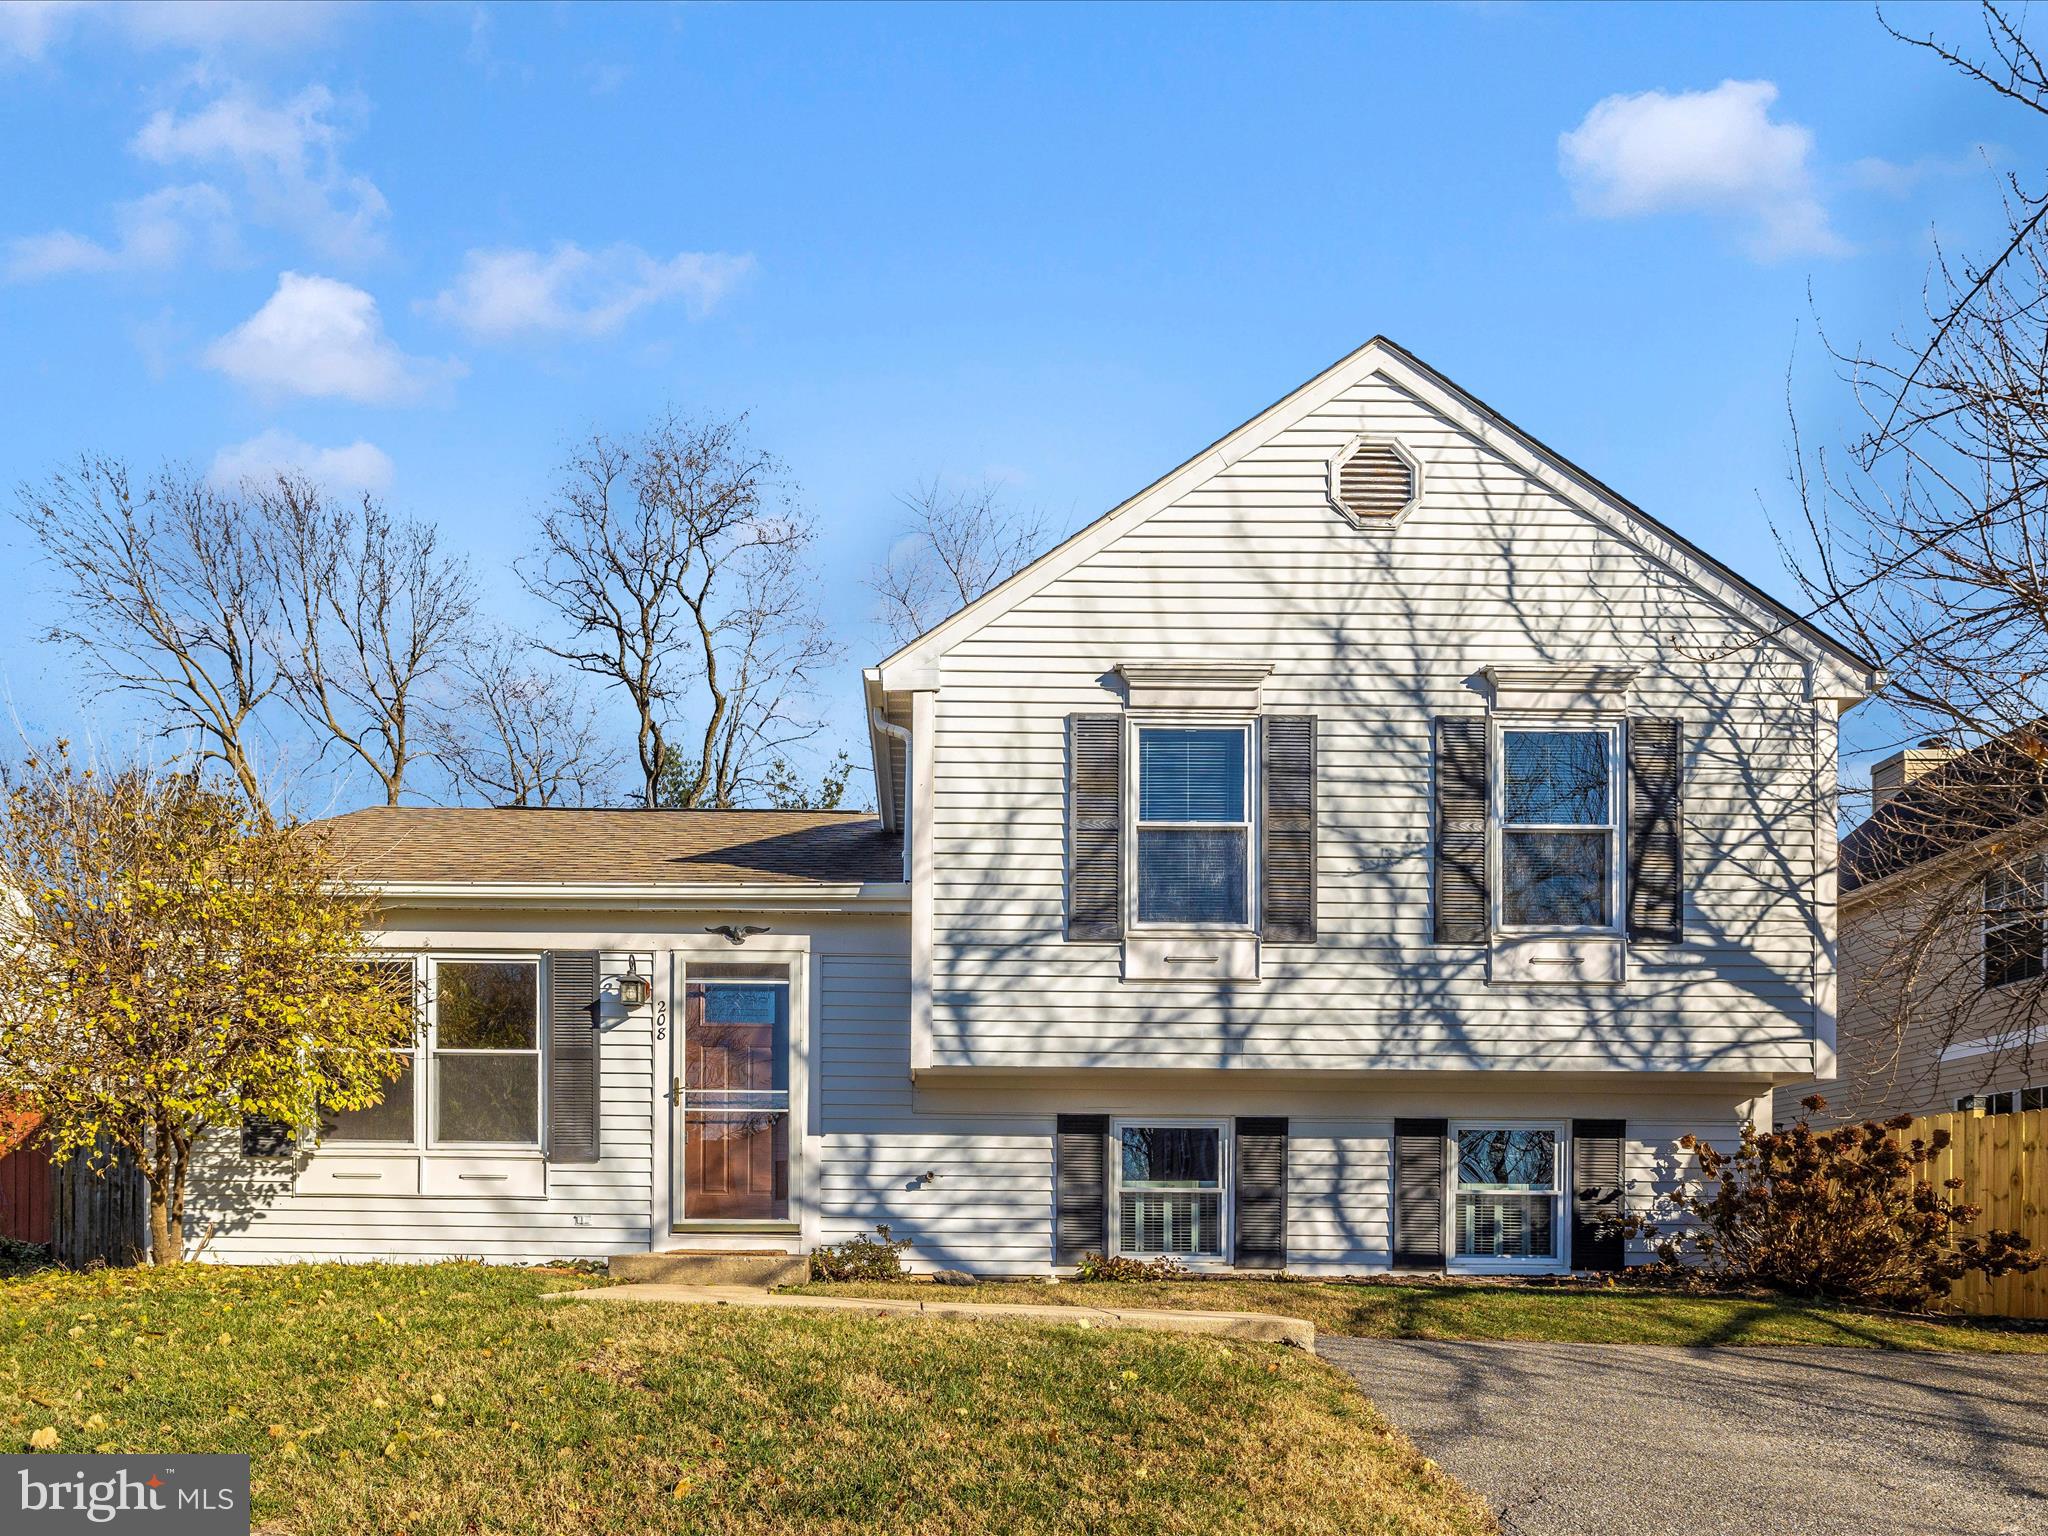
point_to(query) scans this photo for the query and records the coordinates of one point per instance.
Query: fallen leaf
(44, 1439)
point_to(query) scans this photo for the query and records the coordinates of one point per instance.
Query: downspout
(880, 722)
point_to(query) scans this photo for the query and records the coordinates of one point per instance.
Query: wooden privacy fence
(90, 1210)
(2003, 1163)
(25, 1192)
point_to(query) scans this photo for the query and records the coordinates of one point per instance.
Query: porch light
(635, 989)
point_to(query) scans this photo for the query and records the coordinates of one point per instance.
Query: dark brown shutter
(1419, 1194)
(262, 1137)
(1287, 830)
(1259, 1210)
(1462, 915)
(572, 1058)
(1656, 889)
(1095, 815)
(1597, 1180)
(1081, 1176)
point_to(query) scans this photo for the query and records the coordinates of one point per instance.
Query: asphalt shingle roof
(418, 843)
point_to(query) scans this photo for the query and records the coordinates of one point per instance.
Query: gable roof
(1996, 787)
(432, 845)
(1840, 672)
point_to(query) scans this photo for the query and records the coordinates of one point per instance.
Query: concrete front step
(765, 1270)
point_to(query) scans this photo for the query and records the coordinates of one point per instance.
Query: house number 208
(661, 1021)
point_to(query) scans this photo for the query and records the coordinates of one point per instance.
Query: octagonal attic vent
(1372, 481)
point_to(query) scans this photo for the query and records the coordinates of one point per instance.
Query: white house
(1371, 845)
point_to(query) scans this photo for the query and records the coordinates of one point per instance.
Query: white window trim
(1177, 721)
(414, 1143)
(1615, 826)
(1559, 1260)
(1225, 1155)
(1984, 934)
(430, 1114)
(425, 1141)
(1965, 1104)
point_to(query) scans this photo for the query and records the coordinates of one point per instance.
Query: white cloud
(1895, 178)
(29, 27)
(316, 336)
(1715, 152)
(289, 157)
(150, 232)
(207, 25)
(571, 291)
(357, 466)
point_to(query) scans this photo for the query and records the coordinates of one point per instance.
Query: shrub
(860, 1258)
(1108, 1266)
(19, 1258)
(1844, 1213)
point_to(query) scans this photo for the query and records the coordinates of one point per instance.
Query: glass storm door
(735, 1100)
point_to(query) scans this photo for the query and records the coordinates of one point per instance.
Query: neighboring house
(1372, 845)
(1942, 940)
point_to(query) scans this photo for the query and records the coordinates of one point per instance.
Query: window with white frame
(1169, 1189)
(390, 1121)
(485, 1052)
(2006, 1102)
(472, 1078)
(1507, 1194)
(1194, 826)
(1559, 834)
(2013, 923)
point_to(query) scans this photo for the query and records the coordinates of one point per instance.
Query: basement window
(1169, 1189)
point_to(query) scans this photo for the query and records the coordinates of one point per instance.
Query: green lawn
(395, 1401)
(1590, 1315)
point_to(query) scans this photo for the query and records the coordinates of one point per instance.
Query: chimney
(1902, 768)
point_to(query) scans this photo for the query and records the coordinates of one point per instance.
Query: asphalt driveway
(1636, 1440)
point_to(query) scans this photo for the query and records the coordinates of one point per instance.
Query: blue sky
(423, 247)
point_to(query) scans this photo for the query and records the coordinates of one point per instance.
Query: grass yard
(408, 1401)
(1606, 1315)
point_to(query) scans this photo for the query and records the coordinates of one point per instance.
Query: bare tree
(518, 734)
(677, 557)
(953, 545)
(373, 615)
(1930, 552)
(169, 596)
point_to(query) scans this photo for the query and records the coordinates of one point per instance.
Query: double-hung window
(1508, 1190)
(486, 1052)
(1169, 1190)
(1559, 836)
(389, 1121)
(1194, 826)
(2013, 923)
(472, 1077)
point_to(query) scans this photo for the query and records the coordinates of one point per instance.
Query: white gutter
(878, 721)
(847, 896)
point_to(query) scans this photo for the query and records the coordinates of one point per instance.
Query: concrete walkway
(1258, 1326)
(1637, 1440)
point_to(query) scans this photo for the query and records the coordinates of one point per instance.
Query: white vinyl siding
(1374, 635)
(259, 1214)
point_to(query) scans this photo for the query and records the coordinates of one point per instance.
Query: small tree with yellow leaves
(171, 963)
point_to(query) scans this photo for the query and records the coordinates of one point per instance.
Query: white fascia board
(850, 896)
(1832, 673)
